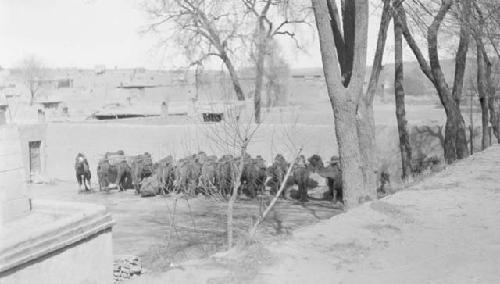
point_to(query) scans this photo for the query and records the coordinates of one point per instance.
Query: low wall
(14, 201)
(58, 242)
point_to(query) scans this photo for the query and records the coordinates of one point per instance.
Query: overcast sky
(83, 33)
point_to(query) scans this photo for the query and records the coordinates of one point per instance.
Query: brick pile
(127, 267)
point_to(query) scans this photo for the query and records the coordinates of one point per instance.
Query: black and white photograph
(249, 141)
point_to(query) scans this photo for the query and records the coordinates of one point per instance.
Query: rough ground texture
(161, 230)
(445, 229)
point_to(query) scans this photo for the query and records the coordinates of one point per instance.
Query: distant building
(307, 74)
(65, 83)
(56, 83)
(100, 69)
(140, 70)
(49, 102)
(136, 89)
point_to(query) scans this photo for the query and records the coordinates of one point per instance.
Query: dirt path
(445, 229)
(148, 227)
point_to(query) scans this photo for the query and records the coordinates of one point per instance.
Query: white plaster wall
(14, 200)
(65, 140)
(90, 261)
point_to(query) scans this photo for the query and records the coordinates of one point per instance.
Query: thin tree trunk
(487, 85)
(471, 127)
(493, 102)
(385, 19)
(32, 97)
(263, 216)
(261, 49)
(399, 92)
(234, 77)
(461, 55)
(197, 81)
(230, 206)
(263, 37)
(483, 97)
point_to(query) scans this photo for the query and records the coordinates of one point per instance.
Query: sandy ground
(444, 229)
(164, 230)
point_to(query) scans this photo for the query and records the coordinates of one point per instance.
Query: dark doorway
(35, 162)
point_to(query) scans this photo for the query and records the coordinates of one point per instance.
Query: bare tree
(482, 27)
(204, 28)
(344, 65)
(345, 44)
(32, 71)
(399, 92)
(273, 18)
(276, 78)
(455, 134)
(233, 135)
(268, 209)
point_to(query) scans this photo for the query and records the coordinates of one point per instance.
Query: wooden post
(471, 138)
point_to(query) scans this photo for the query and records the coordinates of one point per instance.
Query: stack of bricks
(14, 201)
(127, 267)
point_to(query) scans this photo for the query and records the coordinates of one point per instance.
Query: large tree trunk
(353, 176)
(344, 101)
(365, 125)
(399, 93)
(483, 96)
(365, 122)
(455, 135)
(234, 76)
(365, 117)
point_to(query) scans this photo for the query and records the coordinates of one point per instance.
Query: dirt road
(445, 229)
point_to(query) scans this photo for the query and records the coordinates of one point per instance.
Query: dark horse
(82, 170)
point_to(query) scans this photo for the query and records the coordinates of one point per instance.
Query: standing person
(334, 180)
(82, 170)
(301, 176)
